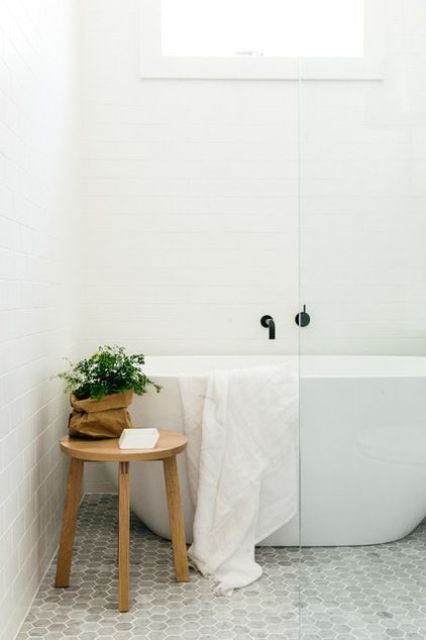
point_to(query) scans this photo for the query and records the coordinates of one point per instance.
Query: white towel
(242, 466)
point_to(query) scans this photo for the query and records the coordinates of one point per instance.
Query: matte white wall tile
(38, 212)
(191, 189)
(191, 192)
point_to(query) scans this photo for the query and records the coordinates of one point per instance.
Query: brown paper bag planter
(105, 418)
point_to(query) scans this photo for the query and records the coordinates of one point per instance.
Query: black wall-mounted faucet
(268, 323)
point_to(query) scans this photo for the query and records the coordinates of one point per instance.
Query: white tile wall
(190, 202)
(362, 220)
(37, 286)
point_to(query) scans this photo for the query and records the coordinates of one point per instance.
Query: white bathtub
(362, 446)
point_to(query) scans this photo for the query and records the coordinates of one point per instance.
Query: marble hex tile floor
(374, 593)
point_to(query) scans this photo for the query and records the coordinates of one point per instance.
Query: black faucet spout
(268, 323)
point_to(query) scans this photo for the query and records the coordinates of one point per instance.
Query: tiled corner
(160, 607)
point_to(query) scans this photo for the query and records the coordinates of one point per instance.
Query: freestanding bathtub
(362, 446)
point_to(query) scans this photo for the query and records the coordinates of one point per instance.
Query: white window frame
(154, 65)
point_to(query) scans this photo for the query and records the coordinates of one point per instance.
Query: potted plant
(101, 388)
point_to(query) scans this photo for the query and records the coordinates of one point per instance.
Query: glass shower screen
(362, 357)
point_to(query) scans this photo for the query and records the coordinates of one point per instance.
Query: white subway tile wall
(363, 202)
(191, 205)
(190, 202)
(37, 286)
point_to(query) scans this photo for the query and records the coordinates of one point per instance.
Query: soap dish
(144, 438)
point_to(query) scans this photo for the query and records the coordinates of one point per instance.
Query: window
(262, 38)
(271, 28)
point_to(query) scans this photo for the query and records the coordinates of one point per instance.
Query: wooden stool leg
(69, 521)
(123, 536)
(176, 519)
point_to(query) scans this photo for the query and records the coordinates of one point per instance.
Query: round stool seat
(169, 444)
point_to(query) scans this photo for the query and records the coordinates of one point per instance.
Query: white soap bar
(138, 439)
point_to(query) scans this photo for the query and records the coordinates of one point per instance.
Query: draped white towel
(242, 466)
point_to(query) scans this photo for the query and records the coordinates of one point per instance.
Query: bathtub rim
(307, 366)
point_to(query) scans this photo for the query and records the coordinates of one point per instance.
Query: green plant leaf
(109, 370)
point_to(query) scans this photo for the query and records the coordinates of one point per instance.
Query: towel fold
(242, 466)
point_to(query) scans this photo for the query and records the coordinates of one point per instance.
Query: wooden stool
(168, 446)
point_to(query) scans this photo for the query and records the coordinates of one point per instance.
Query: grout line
(49, 564)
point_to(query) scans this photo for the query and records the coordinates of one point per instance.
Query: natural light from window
(263, 28)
